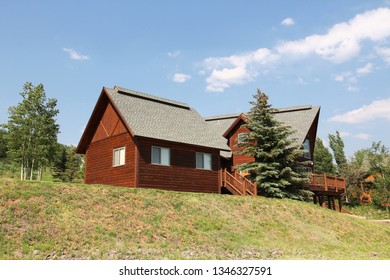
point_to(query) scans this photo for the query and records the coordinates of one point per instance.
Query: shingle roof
(159, 118)
(299, 118)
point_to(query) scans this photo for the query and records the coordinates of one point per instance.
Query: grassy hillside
(60, 221)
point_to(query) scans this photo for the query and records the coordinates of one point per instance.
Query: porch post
(323, 204)
(340, 203)
(329, 202)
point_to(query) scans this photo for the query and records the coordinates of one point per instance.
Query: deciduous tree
(32, 131)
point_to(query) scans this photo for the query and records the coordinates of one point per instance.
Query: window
(306, 149)
(161, 156)
(203, 161)
(119, 157)
(242, 137)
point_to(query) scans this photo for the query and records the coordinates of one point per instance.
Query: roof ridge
(222, 117)
(150, 97)
(292, 109)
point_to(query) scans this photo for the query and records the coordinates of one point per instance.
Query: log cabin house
(134, 139)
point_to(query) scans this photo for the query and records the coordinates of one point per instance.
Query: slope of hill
(41, 220)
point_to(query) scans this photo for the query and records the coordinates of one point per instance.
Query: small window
(161, 156)
(203, 161)
(119, 157)
(242, 138)
(306, 149)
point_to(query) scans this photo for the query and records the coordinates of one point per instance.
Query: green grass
(42, 220)
(370, 211)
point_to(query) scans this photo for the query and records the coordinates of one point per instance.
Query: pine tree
(275, 169)
(336, 143)
(323, 159)
(68, 166)
(32, 131)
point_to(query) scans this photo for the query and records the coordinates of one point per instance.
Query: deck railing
(328, 183)
(238, 183)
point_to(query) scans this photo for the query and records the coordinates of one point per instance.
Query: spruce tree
(275, 170)
(323, 159)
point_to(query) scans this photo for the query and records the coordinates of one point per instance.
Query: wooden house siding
(110, 134)
(99, 162)
(238, 159)
(181, 174)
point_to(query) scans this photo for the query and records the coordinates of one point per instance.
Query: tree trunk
(21, 171)
(32, 170)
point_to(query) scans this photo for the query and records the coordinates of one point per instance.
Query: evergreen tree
(275, 169)
(32, 131)
(323, 159)
(68, 166)
(336, 143)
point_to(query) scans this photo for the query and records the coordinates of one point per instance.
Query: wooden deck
(327, 184)
(326, 189)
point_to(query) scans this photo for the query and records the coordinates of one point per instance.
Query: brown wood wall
(233, 137)
(99, 162)
(182, 174)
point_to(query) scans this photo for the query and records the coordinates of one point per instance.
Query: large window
(119, 157)
(306, 149)
(203, 161)
(161, 155)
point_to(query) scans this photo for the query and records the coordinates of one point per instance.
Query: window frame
(120, 155)
(160, 155)
(203, 165)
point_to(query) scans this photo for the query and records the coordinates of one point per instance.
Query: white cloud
(342, 76)
(180, 77)
(367, 69)
(174, 54)
(363, 136)
(352, 77)
(340, 43)
(74, 55)
(384, 53)
(287, 22)
(352, 88)
(343, 41)
(344, 134)
(236, 69)
(379, 109)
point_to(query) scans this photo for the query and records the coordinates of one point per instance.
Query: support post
(315, 198)
(333, 203)
(329, 202)
(340, 203)
(323, 203)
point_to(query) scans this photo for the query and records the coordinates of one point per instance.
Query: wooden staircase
(237, 184)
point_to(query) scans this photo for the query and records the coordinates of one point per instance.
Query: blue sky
(212, 55)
